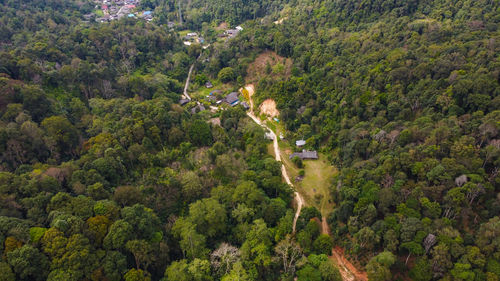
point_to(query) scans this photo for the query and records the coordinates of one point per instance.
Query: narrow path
(348, 271)
(277, 153)
(189, 79)
(187, 82)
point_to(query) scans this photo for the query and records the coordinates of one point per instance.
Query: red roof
(104, 7)
(131, 6)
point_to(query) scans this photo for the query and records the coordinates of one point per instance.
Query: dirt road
(187, 82)
(348, 271)
(277, 153)
(189, 79)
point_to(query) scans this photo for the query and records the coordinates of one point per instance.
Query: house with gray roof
(232, 99)
(305, 155)
(183, 101)
(197, 108)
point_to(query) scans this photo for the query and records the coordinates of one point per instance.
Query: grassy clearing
(315, 187)
(319, 174)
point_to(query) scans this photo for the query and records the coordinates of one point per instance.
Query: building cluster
(232, 99)
(305, 154)
(116, 9)
(231, 33)
(193, 37)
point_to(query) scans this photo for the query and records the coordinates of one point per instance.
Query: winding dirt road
(298, 198)
(348, 271)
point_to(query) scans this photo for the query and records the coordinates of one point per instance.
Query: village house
(232, 99)
(208, 85)
(305, 155)
(300, 143)
(183, 101)
(245, 105)
(197, 108)
(231, 33)
(268, 135)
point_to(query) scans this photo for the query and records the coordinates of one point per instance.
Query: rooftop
(305, 154)
(232, 98)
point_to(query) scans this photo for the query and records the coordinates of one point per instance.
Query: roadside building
(232, 99)
(300, 143)
(305, 155)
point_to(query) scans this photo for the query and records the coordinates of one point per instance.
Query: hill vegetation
(104, 176)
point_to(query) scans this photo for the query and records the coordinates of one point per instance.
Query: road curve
(277, 153)
(348, 271)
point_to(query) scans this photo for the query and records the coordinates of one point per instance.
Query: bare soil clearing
(268, 107)
(257, 69)
(222, 26)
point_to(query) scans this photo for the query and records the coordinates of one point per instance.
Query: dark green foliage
(28, 263)
(200, 133)
(105, 177)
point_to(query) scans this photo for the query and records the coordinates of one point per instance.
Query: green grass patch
(315, 187)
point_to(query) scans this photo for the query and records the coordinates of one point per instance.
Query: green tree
(6, 273)
(378, 268)
(226, 75)
(191, 242)
(209, 217)
(200, 133)
(114, 265)
(329, 272)
(308, 273)
(142, 252)
(119, 233)
(421, 271)
(62, 137)
(137, 275)
(28, 263)
(323, 244)
(237, 273)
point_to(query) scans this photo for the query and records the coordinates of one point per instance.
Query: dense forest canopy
(105, 176)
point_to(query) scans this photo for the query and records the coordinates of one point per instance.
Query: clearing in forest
(269, 64)
(315, 187)
(268, 107)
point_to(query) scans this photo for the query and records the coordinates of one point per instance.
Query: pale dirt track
(277, 153)
(348, 271)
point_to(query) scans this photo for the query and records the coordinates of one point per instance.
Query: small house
(239, 28)
(245, 105)
(211, 98)
(232, 99)
(231, 32)
(197, 108)
(305, 155)
(208, 85)
(268, 135)
(183, 101)
(300, 143)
